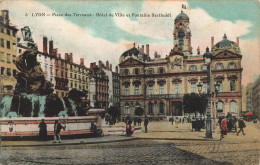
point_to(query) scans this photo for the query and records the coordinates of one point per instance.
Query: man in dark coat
(57, 129)
(241, 126)
(146, 121)
(43, 130)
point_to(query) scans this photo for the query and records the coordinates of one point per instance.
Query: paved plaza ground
(163, 144)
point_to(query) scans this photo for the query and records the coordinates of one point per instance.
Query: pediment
(227, 54)
(130, 62)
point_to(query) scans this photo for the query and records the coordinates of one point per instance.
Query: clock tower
(182, 33)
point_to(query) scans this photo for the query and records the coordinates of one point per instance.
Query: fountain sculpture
(33, 95)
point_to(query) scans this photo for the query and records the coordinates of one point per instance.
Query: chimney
(82, 61)
(100, 65)
(238, 41)
(45, 45)
(5, 16)
(50, 47)
(116, 69)
(66, 56)
(111, 67)
(54, 52)
(212, 42)
(107, 65)
(142, 48)
(147, 49)
(71, 57)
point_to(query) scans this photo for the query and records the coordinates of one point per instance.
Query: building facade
(256, 97)
(8, 50)
(158, 84)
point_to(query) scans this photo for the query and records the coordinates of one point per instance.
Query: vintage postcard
(129, 82)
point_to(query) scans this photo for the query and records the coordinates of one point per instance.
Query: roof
(225, 43)
(182, 15)
(133, 52)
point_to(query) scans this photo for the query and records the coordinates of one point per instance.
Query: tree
(139, 111)
(114, 112)
(194, 103)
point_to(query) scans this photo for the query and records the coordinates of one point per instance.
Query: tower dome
(226, 44)
(182, 15)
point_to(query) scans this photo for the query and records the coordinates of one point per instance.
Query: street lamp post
(216, 87)
(207, 58)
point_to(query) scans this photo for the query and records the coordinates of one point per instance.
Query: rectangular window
(137, 90)
(8, 32)
(161, 89)
(62, 74)
(150, 89)
(20, 51)
(220, 89)
(177, 88)
(75, 76)
(76, 85)
(2, 70)
(56, 72)
(14, 33)
(127, 109)
(8, 58)
(205, 87)
(2, 57)
(8, 45)
(232, 85)
(14, 72)
(193, 87)
(14, 58)
(126, 91)
(8, 72)
(51, 70)
(70, 75)
(2, 43)
(66, 75)
(71, 85)
(2, 30)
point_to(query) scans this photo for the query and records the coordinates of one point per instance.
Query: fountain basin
(28, 126)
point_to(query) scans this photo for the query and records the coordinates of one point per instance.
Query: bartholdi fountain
(34, 100)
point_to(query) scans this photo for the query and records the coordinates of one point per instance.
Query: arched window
(136, 71)
(126, 91)
(219, 66)
(193, 68)
(233, 106)
(161, 71)
(232, 85)
(126, 72)
(232, 65)
(136, 89)
(150, 108)
(161, 108)
(220, 89)
(204, 67)
(220, 106)
(127, 109)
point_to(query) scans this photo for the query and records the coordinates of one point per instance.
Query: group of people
(224, 126)
(57, 129)
(130, 130)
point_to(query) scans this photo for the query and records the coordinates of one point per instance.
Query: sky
(106, 38)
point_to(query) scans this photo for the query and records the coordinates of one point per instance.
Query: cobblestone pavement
(231, 150)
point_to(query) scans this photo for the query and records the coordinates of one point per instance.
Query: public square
(163, 144)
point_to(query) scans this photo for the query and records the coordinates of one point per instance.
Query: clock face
(181, 34)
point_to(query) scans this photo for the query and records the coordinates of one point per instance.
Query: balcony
(164, 96)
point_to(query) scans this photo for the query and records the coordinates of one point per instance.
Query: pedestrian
(172, 119)
(128, 126)
(176, 122)
(219, 121)
(57, 129)
(223, 128)
(241, 125)
(139, 121)
(146, 121)
(43, 130)
(135, 121)
(182, 120)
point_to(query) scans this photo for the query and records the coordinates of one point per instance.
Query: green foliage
(75, 94)
(194, 103)
(114, 111)
(139, 111)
